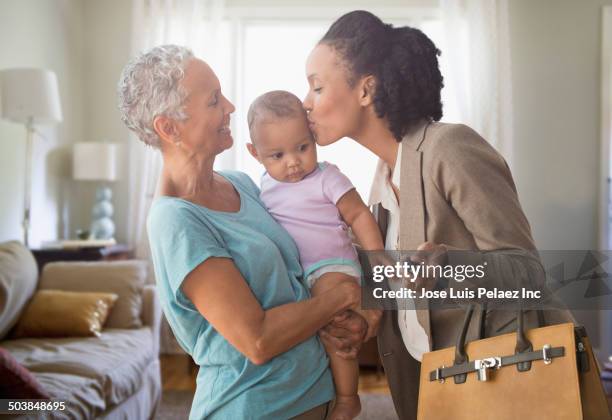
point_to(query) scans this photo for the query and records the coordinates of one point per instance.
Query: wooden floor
(178, 374)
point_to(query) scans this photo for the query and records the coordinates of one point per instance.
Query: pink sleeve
(335, 183)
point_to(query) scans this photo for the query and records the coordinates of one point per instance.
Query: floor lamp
(29, 97)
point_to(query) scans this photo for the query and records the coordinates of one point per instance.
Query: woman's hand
(429, 253)
(351, 291)
(346, 333)
(372, 317)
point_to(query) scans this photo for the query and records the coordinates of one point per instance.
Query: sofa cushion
(18, 275)
(124, 278)
(59, 313)
(84, 396)
(16, 381)
(115, 360)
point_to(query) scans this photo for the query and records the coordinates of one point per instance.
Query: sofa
(115, 375)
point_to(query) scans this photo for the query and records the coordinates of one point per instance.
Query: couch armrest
(151, 313)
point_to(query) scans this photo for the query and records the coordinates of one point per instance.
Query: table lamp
(29, 96)
(97, 162)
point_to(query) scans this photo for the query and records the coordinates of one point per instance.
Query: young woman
(437, 186)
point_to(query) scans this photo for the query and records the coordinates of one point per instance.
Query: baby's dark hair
(276, 104)
(403, 61)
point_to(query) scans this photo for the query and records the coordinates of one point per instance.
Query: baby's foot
(347, 407)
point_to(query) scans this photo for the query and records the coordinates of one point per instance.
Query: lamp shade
(30, 95)
(94, 161)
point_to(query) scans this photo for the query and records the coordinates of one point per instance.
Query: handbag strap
(547, 353)
(523, 345)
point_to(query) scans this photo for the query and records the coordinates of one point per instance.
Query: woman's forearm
(220, 293)
(287, 325)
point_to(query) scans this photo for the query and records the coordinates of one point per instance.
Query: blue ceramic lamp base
(102, 225)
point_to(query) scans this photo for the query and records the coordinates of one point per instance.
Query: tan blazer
(455, 189)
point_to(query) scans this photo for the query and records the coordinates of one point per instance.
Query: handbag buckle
(545, 355)
(482, 365)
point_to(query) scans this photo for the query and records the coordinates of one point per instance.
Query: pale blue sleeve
(180, 240)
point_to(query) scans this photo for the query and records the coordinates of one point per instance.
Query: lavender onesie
(307, 210)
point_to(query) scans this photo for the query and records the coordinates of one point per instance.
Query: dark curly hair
(403, 61)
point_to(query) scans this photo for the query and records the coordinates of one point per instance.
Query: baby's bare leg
(345, 372)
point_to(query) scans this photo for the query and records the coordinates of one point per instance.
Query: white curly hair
(150, 86)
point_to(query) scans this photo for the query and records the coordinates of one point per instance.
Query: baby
(316, 204)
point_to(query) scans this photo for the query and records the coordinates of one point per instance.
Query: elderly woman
(228, 274)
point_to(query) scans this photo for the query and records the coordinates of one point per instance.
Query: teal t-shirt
(182, 235)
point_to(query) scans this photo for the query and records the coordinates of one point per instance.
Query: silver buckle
(482, 365)
(546, 355)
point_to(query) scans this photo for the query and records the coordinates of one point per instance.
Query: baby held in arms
(316, 204)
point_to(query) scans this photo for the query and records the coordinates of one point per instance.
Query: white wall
(555, 47)
(40, 33)
(86, 42)
(107, 37)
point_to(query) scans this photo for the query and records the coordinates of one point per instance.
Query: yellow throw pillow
(59, 313)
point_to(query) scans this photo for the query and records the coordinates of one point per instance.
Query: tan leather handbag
(544, 373)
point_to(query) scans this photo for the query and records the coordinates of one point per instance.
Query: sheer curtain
(478, 60)
(194, 24)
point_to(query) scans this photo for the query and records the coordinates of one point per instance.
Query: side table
(107, 253)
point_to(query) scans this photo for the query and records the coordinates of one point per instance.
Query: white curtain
(478, 54)
(194, 24)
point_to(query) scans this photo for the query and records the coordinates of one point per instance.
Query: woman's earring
(178, 143)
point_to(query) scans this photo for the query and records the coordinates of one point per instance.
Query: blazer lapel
(412, 210)
(412, 205)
